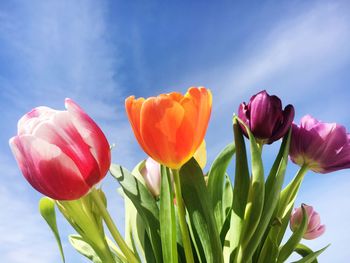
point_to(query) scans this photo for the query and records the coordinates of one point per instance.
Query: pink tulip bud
(323, 147)
(151, 175)
(62, 154)
(265, 117)
(314, 227)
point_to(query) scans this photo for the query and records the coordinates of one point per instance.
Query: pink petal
(29, 121)
(316, 233)
(48, 169)
(61, 132)
(92, 136)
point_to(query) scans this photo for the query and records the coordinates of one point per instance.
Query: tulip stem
(112, 228)
(182, 220)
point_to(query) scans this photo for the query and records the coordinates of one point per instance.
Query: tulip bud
(265, 118)
(323, 147)
(151, 175)
(314, 227)
(62, 154)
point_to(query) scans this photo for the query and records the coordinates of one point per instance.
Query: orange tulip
(170, 127)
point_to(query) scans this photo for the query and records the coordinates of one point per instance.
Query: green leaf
(312, 257)
(199, 208)
(273, 188)
(240, 195)
(256, 195)
(167, 218)
(144, 203)
(268, 255)
(304, 251)
(294, 240)
(216, 179)
(47, 211)
(86, 250)
(227, 201)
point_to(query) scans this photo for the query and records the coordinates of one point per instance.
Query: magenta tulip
(314, 227)
(62, 154)
(151, 175)
(265, 117)
(323, 147)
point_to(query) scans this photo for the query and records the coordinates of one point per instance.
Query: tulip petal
(92, 135)
(47, 168)
(29, 121)
(160, 120)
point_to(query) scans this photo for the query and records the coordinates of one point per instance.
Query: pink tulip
(323, 147)
(314, 227)
(151, 175)
(62, 154)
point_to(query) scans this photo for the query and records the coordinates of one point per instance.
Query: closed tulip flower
(265, 117)
(322, 147)
(62, 154)
(170, 127)
(314, 227)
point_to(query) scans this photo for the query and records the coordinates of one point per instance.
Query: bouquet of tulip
(174, 211)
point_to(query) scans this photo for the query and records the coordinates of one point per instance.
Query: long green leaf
(167, 218)
(216, 179)
(240, 195)
(273, 188)
(256, 196)
(47, 211)
(199, 208)
(145, 204)
(294, 240)
(304, 251)
(312, 257)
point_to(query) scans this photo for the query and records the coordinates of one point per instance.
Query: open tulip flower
(170, 127)
(62, 154)
(173, 212)
(265, 117)
(322, 147)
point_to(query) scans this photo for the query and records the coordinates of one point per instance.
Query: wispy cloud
(56, 49)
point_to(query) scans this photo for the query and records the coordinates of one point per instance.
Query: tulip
(265, 118)
(151, 175)
(170, 127)
(62, 154)
(322, 147)
(151, 170)
(314, 227)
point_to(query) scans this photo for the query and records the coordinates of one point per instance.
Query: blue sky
(99, 52)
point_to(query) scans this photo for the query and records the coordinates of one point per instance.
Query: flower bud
(314, 227)
(323, 147)
(151, 175)
(265, 118)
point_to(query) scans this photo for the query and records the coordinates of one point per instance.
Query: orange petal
(161, 118)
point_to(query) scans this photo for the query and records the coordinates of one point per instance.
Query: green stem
(182, 220)
(112, 228)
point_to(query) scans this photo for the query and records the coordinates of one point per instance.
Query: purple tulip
(265, 117)
(323, 147)
(314, 227)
